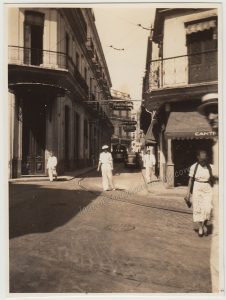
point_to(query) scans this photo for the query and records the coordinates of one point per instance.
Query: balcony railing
(90, 47)
(45, 59)
(183, 70)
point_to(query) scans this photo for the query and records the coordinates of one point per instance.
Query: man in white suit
(51, 166)
(106, 164)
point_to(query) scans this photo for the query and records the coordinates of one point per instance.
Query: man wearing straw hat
(209, 108)
(106, 164)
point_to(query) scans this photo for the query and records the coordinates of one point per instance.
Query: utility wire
(118, 49)
(146, 28)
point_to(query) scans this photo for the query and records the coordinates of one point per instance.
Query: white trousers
(148, 173)
(107, 178)
(52, 172)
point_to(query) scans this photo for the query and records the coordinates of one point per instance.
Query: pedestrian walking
(149, 165)
(106, 165)
(200, 187)
(209, 108)
(51, 166)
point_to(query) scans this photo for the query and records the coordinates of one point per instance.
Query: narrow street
(69, 236)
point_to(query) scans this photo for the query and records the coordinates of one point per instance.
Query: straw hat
(208, 100)
(105, 147)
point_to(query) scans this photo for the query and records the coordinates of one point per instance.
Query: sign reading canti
(205, 133)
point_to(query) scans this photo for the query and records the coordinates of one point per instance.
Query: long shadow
(38, 209)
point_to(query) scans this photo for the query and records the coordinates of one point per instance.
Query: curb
(46, 178)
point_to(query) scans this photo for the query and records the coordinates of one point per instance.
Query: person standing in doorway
(106, 165)
(209, 108)
(149, 165)
(51, 166)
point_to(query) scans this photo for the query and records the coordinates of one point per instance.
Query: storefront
(185, 134)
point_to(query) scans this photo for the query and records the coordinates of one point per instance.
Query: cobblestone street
(69, 236)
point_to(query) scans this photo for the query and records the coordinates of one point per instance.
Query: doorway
(184, 155)
(33, 136)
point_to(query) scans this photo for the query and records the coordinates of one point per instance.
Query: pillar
(170, 165)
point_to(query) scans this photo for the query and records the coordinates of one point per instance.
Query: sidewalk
(157, 194)
(68, 175)
(160, 188)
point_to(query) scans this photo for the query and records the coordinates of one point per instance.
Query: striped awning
(188, 125)
(200, 26)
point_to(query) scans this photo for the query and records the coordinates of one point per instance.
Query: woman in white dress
(202, 191)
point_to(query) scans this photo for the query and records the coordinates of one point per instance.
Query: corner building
(57, 77)
(181, 68)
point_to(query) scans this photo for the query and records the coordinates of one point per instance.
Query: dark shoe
(205, 231)
(188, 202)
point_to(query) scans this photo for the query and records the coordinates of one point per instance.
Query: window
(85, 73)
(67, 44)
(82, 64)
(33, 38)
(77, 62)
(202, 55)
(120, 131)
(85, 134)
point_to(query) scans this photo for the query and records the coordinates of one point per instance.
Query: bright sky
(118, 27)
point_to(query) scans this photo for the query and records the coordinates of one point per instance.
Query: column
(170, 165)
(11, 110)
(59, 134)
(16, 123)
(81, 143)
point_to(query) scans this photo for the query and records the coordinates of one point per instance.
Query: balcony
(183, 70)
(90, 47)
(44, 61)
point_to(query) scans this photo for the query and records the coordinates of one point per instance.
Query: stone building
(57, 76)
(181, 67)
(119, 117)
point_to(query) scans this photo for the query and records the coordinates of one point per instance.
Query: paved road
(70, 237)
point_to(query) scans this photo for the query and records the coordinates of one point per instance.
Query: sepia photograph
(114, 168)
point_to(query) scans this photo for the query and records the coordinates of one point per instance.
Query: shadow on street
(44, 209)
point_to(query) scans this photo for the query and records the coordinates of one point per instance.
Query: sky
(118, 27)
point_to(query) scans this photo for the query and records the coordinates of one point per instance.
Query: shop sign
(122, 105)
(129, 128)
(129, 122)
(205, 133)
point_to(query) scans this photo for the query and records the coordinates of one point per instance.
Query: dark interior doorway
(184, 155)
(33, 136)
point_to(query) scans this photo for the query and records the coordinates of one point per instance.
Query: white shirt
(105, 158)
(52, 162)
(149, 160)
(202, 173)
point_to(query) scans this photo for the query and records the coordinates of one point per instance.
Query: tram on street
(119, 152)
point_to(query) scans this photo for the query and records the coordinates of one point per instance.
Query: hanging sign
(129, 128)
(129, 122)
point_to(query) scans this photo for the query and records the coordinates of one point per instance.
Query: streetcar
(119, 152)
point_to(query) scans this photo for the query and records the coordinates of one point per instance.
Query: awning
(188, 125)
(200, 26)
(149, 136)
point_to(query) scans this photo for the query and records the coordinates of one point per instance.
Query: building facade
(119, 117)
(57, 77)
(181, 67)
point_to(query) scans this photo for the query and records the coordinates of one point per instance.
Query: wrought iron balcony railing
(183, 70)
(45, 59)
